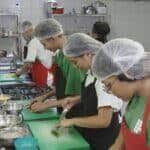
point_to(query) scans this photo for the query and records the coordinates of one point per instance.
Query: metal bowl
(8, 135)
(12, 107)
(9, 120)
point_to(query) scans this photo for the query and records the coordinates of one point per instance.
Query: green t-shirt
(134, 115)
(74, 77)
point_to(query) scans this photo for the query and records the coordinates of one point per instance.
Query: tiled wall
(131, 19)
(128, 18)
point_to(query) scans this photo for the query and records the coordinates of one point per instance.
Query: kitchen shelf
(9, 36)
(73, 23)
(78, 15)
(9, 22)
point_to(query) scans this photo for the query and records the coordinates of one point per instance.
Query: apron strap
(95, 80)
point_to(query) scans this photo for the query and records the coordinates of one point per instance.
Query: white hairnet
(48, 28)
(122, 56)
(80, 43)
(26, 25)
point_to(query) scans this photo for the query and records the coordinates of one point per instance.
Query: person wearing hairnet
(38, 60)
(68, 78)
(100, 30)
(97, 118)
(27, 34)
(124, 68)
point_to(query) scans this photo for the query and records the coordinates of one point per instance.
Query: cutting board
(49, 114)
(28, 115)
(70, 140)
(8, 77)
(12, 77)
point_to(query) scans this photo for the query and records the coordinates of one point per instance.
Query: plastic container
(26, 143)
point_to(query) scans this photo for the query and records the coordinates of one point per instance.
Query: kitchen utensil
(63, 114)
(57, 129)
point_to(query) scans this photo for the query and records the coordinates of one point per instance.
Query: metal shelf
(79, 15)
(10, 23)
(73, 23)
(9, 36)
(5, 14)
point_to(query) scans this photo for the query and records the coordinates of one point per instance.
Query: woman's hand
(69, 102)
(66, 123)
(25, 69)
(38, 107)
(35, 100)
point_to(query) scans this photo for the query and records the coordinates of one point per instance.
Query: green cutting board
(8, 77)
(70, 140)
(28, 115)
(49, 114)
(11, 77)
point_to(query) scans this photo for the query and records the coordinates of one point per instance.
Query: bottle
(51, 4)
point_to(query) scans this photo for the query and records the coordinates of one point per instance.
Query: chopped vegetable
(55, 133)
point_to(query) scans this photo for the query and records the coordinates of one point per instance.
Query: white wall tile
(127, 18)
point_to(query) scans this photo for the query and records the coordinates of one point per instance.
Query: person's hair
(101, 29)
(26, 25)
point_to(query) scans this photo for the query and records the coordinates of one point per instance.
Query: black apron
(102, 138)
(60, 86)
(25, 52)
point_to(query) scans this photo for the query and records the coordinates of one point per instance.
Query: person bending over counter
(124, 68)
(96, 117)
(68, 77)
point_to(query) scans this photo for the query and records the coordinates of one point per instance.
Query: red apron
(40, 73)
(136, 141)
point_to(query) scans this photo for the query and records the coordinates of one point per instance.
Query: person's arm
(44, 96)
(64, 101)
(41, 106)
(69, 101)
(25, 69)
(119, 143)
(102, 120)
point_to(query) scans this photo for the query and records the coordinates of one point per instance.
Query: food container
(12, 107)
(8, 135)
(9, 120)
(26, 143)
(58, 10)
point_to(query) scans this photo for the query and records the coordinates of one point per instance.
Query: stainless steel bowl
(8, 135)
(9, 120)
(12, 107)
